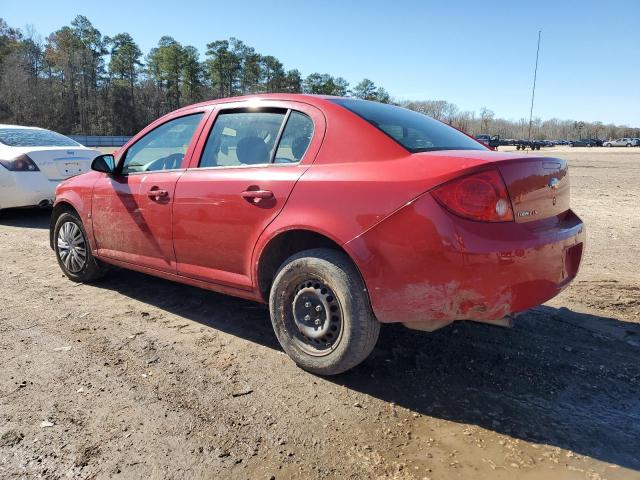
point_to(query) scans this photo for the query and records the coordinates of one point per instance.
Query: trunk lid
(538, 187)
(62, 163)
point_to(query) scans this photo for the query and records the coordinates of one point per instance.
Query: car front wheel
(320, 312)
(73, 250)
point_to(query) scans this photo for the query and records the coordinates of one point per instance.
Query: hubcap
(72, 247)
(317, 316)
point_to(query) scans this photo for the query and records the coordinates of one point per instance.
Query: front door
(249, 164)
(132, 209)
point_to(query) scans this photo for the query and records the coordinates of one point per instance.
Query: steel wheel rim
(316, 338)
(72, 247)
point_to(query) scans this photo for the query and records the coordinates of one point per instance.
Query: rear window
(414, 131)
(26, 137)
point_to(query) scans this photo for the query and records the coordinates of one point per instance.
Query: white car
(33, 161)
(621, 142)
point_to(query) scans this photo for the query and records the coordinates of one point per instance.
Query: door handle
(157, 193)
(257, 195)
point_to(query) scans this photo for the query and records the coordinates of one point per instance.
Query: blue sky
(473, 54)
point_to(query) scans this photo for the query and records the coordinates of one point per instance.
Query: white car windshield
(27, 137)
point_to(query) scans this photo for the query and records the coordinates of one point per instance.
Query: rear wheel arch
(288, 243)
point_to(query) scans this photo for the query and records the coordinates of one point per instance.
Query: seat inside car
(252, 151)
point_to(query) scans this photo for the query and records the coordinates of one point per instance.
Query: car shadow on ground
(26, 217)
(558, 377)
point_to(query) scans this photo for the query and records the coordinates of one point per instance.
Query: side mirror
(104, 163)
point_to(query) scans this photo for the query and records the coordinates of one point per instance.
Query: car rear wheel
(73, 250)
(320, 312)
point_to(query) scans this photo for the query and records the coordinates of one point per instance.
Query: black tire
(351, 328)
(91, 269)
(628, 144)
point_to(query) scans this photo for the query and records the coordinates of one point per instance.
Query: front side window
(242, 138)
(32, 137)
(414, 131)
(163, 148)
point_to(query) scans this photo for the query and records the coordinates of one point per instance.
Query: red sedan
(339, 213)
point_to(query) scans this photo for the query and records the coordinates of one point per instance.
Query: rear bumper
(424, 264)
(24, 189)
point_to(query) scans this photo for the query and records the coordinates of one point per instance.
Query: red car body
(356, 188)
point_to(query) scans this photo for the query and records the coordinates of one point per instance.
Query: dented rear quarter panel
(424, 264)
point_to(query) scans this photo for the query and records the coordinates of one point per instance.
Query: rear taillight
(481, 196)
(21, 163)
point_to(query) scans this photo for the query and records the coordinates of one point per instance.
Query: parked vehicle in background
(491, 141)
(622, 142)
(524, 144)
(339, 213)
(33, 161)
(584, 142)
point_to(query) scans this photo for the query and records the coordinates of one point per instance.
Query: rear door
(132, 209)
(239, 180)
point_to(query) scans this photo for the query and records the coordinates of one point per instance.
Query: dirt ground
(138, 377)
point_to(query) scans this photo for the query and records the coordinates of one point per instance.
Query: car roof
(292, 97)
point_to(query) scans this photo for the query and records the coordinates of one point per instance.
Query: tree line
(78, 81)
(486, 122)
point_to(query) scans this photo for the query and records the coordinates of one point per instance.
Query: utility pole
(533, 93)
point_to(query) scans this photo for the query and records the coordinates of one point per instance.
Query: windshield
(414, 131)
(27, 137)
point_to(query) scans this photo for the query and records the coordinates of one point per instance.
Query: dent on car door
(248, 165)
(131, 209)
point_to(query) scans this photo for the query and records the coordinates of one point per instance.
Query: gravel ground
(139, 377)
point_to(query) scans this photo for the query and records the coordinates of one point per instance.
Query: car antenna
(533, 93)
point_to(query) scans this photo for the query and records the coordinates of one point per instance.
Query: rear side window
(414, 131)
(242, 138)
(26, 137)
(295, 140)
